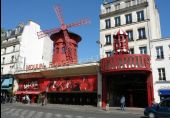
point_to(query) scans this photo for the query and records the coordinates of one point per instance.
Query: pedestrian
(23, 99)
(43, 100)
(122, 102)
(39, 99)
(27, 99)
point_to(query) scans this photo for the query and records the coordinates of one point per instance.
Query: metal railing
(114, 6)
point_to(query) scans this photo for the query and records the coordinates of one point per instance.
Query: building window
(159, 52)
(161, 72)
(140, 16)
(14, 48)
(141, 33)
(143, 50)
(4, 50)
(131, 50)
(128, 3)
(108, 23)
(130, 35)
(108, 9)
(117, 21)
(108, 39)
(117, 6)
(128, 18)
(2, 69)
(3, 60)
(108, 54)
(12, 59)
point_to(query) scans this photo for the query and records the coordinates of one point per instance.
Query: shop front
(125, 74)
(132, 79)
(63, 85)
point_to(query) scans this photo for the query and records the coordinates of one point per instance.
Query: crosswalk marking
(2, 110)
(16, 113)
(10, 111)
(68, 116)
(30, 114)
(38, 115)
(58, 115)
(48, 115)
(79, 116)
(21, 113)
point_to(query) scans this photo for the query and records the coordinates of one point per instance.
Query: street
(28, 111)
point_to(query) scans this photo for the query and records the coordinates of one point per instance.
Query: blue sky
(42, 12)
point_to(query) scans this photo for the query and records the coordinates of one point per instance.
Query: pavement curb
(137, 111)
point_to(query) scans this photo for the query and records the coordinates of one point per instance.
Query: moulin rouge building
(96, 83)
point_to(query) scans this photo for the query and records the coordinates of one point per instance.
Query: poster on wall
(84, 84)
(71, 84)
(28, 85)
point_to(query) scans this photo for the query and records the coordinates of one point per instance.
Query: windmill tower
(65, 43)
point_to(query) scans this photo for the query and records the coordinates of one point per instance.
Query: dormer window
(108, 9)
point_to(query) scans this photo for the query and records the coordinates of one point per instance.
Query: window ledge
(107, 44)
(160, 59)
(141, 39)
(162, 82)
(130, 40)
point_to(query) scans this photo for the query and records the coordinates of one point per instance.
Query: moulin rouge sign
(43, 66)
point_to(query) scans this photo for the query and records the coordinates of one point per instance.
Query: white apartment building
(140, 19)
(160, 59)
(22, 47)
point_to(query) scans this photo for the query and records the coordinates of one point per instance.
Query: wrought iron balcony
(117, 7)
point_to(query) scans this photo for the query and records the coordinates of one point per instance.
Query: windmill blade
(81, 22)
(66, 36)
(68, 49)
(58, 12)
(44, 33)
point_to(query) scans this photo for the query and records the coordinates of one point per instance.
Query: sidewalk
(132, 110)
(88, 108)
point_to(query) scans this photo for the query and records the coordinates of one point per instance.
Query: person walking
(43, 100)
(122, 102)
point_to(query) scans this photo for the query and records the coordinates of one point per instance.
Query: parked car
(161, 110)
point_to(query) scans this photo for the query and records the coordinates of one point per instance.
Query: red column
(104, 92)
(150, 89)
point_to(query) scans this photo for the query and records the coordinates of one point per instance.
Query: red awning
(28, 92)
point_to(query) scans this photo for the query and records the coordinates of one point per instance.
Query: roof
(71, 34)
(13, 32)
(120, 32)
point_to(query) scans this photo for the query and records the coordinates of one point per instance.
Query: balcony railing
(114, 6)
(126, 62)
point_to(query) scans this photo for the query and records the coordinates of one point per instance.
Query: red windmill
(65, 43)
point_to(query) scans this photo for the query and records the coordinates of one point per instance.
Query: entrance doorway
(73, 98)
(132, 85)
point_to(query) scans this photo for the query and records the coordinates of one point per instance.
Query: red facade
(70, 84)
